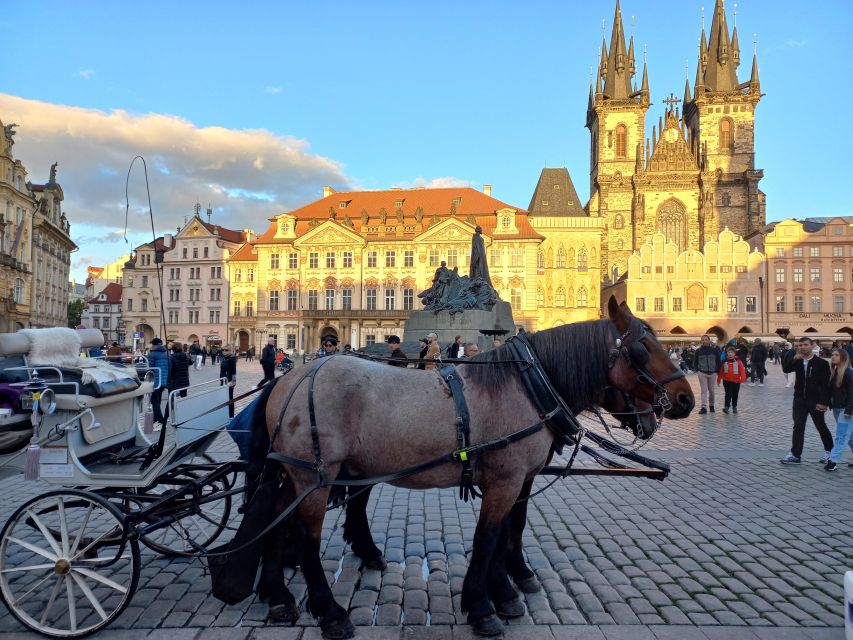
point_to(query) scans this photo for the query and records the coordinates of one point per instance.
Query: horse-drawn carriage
(70, 558)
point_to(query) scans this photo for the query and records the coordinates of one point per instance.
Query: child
(732, 374)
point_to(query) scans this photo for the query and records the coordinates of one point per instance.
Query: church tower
(616, 121)
(720, 120)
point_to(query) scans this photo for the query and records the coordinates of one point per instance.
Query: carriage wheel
(55, 571)
(202, 527)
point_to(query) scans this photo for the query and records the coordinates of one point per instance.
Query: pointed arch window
(540, 297)
(582, 297)
(727, 137)
(540, 259)
(582, 260)
(561, 297)
(621, 141)
(672, 223)
(619, 222)
(561, 258)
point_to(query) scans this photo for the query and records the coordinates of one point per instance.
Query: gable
(329, 233)
(450, 230)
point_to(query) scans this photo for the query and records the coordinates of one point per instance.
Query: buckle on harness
(461, 455)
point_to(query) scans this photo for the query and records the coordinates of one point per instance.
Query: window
(205, 252)
(726, 268)
(780, 304)
(726, 134)
(516, 298)
(780, 252)
(798, 275)
(273, 300)
(251, 275)
(238, 275)
(130, 304)
(144, 281)
(408, 299)
(731, 304)
(677, 304)
(236, 308)
(837, 275)
(390, 299)
(798, 252)
(780, 274)
(330, 299)
(751, 304)
(582, 297)
(582, 259)
(798, 304)
(517, 257)
(561, 258)
(837, 252)
(838, 304)
(213, 314)
(347, 259)
(713, 304)
(293, 260)
(96, 323)
(292, 299)
(313, 260)
(184, 253)
(618, 221)
(274, 264)
(560, 300)
(195, 252)
(369, 340)
(433, 258)
(621, 141)
(540, 297)
(291, 340)
(312, 300)
(106, 323)
(346, 299)
(815, 274)
(659, 308)
(452, 258)
(371, 299)
(250, 308)
(815, 303)
(144, 304)
(408, 258)
(814, 252)
(371, 258)
(540, 259)
(391, 259)
(330, 260)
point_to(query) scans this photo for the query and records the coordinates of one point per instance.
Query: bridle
(629, 345)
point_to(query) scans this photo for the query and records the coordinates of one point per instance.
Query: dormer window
(457, 201)
(342, 205)
(284, 226)
(398, 204)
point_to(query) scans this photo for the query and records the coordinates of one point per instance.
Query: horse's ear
(617, 314)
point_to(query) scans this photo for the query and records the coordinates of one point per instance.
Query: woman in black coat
(228, 370)
(179, 372)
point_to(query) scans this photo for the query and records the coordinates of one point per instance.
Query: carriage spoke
(63, 526)
(31, 567)
(99, 560)
(90, 596)
(31, 547)
(82, 529)
(50, 602)
(112, 531)
(97, 577)
(23, 597)
(201, 529)
(45, 532)
(72, 606)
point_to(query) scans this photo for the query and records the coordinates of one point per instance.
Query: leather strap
(463, 429)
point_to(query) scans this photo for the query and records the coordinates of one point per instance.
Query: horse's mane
(574, 356)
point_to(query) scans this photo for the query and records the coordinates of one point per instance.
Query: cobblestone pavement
(731, 545)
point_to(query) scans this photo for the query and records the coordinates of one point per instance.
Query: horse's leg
(501, 592)
(517, 568)
(497, 501)
(277, 554)
(357, 530)
(333, 619)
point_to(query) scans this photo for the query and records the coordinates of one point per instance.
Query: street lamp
(763, 305)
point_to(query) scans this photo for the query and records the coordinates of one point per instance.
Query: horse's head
(644, 381)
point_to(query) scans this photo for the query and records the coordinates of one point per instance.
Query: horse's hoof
(287, 612)
(337, 629)
(489, 627)
(378, 563)
(511, 608)
(528, 585)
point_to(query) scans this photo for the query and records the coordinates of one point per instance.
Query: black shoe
(734, 409)
(831, 466)
(711, 409)
(725, 409)
(703, 411)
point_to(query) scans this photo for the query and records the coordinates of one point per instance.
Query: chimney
(327, 191)
(487, 189)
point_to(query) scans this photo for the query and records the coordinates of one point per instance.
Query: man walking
(811, 398)
(268, 362)
(397, 354)
(158, 358)
(195, 355)
(707, 363)
(758, 359)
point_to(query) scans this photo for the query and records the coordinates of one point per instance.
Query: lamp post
(763, 305)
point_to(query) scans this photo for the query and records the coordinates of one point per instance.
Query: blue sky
(372, 95)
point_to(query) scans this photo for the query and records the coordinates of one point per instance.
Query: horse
(615, 363)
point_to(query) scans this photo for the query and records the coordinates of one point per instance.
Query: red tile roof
(229, 235)
(112, 291)
(246, 253)
(471, 204)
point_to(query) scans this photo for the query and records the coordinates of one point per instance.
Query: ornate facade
(352, 264)
(696, 175)
(141, 313)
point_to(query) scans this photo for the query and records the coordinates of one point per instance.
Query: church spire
(687, 97)
(720, 73)
(632, 68)
(735, 48)
(617, 71)
(754, 84)
(644, 89)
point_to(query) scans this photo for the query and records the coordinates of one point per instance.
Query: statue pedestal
(474, 325)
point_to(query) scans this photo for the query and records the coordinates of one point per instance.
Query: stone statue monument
(479, 267)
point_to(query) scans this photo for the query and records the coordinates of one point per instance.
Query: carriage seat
(70, 375)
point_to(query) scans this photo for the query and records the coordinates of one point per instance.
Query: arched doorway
(744, 330)
(678, 331)
(717, 331)
(810, 330)
(192, 338)
(147, 334)
(242, 341)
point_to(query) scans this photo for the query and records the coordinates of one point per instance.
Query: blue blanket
(240, 427)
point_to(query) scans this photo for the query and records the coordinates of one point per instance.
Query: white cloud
(442, 182)
(271, 89)
(86, 73)
(247, 175)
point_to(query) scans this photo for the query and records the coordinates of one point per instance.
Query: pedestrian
(114, 353)
(788, 352)
(228, 370)
(707, 363)
(195, 354)
(398, 356)
(204, 354)
(841, 401)
(455, 348)
(267, 362)
(347, 349)
(158, 358)
(179, 374)
(732, 374)
(433, 351)
(811, 398)
(758, 359)
(423, 345)
(469, 350)
(328, 347)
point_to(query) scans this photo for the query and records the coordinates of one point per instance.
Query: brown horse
(615, 363)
